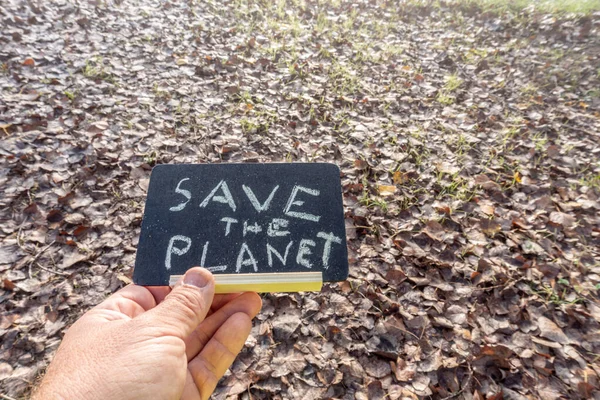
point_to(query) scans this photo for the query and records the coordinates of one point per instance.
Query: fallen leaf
(54, 216)
(447, 168)
(434, 230)
(530, 247)
(66, 198)
(404, 372)
(376, 367)
(289, 363)
(400, 178)
(565, 220)
(31, 209)
(8, 284)
(73, 258)
(490, 227)
(386, 190)
(5, 369)
(487, 208)
(75, 218)
(549, 330)
(126, 280)
(360, 163)
(517, 177)
(395, 276)
(81, 230)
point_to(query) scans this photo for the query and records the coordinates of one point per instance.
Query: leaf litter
(468, 143)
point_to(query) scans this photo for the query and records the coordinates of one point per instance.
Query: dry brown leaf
(8, 284)
(386, 190)
(400, 178)
(565, 220)
(549, 330)
(361, 164)
(490, 227)
(434, 230)
(487, 208)
(447, 168)
(530, 247)
(72, 258)
(31, 209)
(54, 216)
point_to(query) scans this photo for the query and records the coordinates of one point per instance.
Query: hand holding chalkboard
(263, 227)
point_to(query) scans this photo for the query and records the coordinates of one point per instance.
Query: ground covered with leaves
(469, 144)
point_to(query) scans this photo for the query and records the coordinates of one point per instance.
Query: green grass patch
(545, 6)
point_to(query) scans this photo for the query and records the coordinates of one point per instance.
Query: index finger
(159, 292)
(132, 300)
(219, 353)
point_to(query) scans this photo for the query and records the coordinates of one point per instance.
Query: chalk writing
(329, 238)
(171, 249)
(303, 251)
(225, 199)
(241, 261)
(259, 207)
(228, 221)
(271, 250)
(254, 228)
(203, 261)
(276, 227)
(273, 229)
(293, 202)
(186, 193)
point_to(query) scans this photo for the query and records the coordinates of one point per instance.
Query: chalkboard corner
(335, 169)
(159, 168)
(344, 277)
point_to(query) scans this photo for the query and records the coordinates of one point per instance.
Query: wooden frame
(265, 282)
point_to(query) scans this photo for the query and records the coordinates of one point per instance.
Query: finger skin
(132, 301)
(190, 390)
(219, 353)
(184, 308)
(222, 299)
(248, 303)
(159, 292)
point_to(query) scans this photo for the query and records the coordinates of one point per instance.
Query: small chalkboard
(271, 226)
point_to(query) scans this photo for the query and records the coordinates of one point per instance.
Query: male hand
(152, 343)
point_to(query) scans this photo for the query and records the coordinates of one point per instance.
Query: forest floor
(469, 144)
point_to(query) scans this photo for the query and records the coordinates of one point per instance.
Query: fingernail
(196, 277)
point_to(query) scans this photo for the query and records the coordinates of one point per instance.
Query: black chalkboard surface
(242, 219)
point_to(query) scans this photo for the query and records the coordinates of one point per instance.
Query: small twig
(508, 281)
(464, 386)
(38, 256)
(19, 241)
(19, 233)
(6, 397)
(40, 266)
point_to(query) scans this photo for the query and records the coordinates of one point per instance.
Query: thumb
(186, 306)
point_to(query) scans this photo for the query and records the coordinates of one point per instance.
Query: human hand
(152, 343)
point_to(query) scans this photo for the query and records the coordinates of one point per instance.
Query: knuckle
(188, 301)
